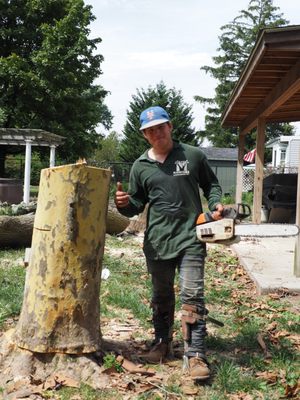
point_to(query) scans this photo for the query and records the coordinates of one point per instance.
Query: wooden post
(239, 171)
(259, 170)
(61, 311)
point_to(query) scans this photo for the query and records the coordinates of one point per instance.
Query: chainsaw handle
(243, 211)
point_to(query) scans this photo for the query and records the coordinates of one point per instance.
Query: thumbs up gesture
(121, 197)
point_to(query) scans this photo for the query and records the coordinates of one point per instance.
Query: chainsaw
(229, 229)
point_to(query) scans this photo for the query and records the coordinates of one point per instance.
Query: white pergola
(29, 138)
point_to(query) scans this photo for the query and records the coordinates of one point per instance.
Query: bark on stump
(61, 311)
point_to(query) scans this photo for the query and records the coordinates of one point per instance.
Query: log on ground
(16, 231)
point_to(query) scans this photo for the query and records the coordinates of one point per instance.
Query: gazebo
(29, 138)
(268, 90)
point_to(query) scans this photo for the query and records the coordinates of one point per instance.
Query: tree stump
(61, 311)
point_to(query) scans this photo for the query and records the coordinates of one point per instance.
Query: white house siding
(292, 154)
(278, 148)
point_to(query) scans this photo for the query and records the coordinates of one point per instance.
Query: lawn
(254, 356)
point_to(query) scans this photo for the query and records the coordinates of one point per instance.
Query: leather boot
(198, 368)
(157, 354)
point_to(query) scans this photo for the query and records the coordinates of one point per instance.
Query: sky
(145, 42)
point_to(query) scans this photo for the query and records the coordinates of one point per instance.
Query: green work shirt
(172, 190)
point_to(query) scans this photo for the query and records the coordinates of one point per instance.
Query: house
(223, 162)
(285, 152)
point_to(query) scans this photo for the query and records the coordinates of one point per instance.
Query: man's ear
(170, 125)
(145, 136)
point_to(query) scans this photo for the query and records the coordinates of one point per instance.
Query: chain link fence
(120, 169)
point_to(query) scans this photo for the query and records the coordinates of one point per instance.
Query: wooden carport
(268, 90)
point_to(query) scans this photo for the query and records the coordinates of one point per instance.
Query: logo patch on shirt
(181, 168)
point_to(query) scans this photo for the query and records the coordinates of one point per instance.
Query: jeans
(191, 278)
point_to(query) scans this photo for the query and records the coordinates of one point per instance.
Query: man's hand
(121, 198)
(217, 214)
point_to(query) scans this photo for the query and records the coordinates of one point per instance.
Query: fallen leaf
(269, 376)
(133, 368)
(189, 389)
(272, 326)
(241, 396)
(292, 391)
(261, 342)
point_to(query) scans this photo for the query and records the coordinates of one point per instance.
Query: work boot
(197, 368)
(157, 354)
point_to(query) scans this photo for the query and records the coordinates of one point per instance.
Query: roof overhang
(269, 85)
(37, 137)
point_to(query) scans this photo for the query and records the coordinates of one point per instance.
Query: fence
(120, 170)
(248, 175)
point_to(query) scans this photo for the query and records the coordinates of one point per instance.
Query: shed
(223, 162)
(268, 90)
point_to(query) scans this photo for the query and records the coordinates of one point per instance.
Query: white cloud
(167, 60)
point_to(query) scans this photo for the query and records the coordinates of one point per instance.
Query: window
(282, 156)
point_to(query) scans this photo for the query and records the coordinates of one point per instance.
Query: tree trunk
(16, 231)
(116, 222)
(61, 311)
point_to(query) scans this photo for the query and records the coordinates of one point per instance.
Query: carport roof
(269, 85)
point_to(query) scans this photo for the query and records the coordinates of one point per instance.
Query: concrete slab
(269, 262)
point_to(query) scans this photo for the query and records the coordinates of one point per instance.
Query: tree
(134, 144)
(236, 43)
(47, 69)
(109, 149)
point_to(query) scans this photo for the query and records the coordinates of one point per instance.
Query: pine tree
(134, 144)
(236, 43)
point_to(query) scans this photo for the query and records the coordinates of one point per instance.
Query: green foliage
(86, 393)
(108, 151)
(11, 290)
(236, 43)
(247, 198)
(122, 275)
(180, 114)
(47, 69)
(109, 361)
(14, 166)
(230, 379)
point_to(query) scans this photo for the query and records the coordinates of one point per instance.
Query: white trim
(26, 191)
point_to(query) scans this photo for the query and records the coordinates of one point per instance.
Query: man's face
(158, 135)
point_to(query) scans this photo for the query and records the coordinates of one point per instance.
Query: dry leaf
(292, 391)
(261, 342)
(269, 376)
(189, 389)
(241, 396)
(133, 368)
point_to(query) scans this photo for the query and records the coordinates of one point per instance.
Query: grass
(12, 277)
(241, 367)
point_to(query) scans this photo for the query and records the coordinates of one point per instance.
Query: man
(168, 177)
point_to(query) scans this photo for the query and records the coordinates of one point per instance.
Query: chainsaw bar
(226, 229)
(266, 230)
